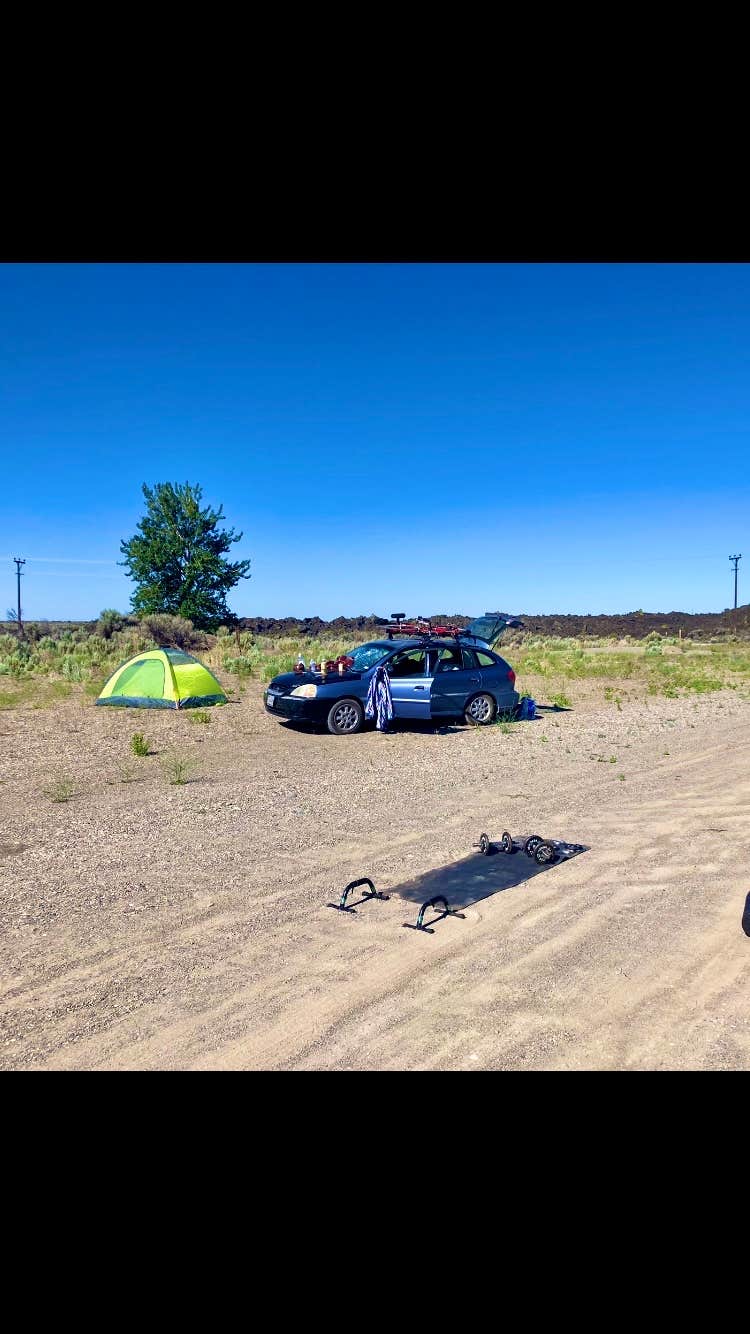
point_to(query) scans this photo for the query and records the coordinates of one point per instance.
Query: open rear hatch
(488, 628)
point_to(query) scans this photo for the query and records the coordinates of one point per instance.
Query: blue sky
(457, 437)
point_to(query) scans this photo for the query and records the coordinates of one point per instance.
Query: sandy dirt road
(147, 926)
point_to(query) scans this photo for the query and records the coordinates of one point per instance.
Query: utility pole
(19, 563)
(735, 559)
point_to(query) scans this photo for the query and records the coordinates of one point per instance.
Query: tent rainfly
(164, 678)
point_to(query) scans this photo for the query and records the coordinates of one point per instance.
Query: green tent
(163, 678)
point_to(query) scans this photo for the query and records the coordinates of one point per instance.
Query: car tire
(480, 710)
(345, 717)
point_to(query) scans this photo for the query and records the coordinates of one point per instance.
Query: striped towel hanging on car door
(379, 699)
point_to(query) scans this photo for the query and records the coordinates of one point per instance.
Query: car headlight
(307, 692)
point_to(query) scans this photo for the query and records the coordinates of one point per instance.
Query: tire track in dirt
(608, 959)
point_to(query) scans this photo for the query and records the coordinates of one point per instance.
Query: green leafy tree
(178, 557)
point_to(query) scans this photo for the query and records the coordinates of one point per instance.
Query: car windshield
(367, 655)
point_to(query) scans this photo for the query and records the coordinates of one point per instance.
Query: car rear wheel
(480, 710)
(345, 717)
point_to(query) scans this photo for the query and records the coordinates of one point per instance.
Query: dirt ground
(150, 926)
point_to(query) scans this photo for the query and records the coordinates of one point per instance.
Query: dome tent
(162, 678)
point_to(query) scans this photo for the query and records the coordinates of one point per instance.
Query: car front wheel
(481, 710)
(345, 716)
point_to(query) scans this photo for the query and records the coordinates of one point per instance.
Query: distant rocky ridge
(636, 624)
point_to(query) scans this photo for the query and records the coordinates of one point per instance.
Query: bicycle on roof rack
(485, 630)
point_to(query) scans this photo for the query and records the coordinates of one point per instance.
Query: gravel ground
(152, 926)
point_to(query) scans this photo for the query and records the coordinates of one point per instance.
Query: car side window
(411, 663)
(485, 660)
(470, 662)
(449, 660)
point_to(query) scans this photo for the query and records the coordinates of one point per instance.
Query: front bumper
(299, 709)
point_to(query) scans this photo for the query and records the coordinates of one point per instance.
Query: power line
(736, 560)
(625, 559)
(19, 622)
(83, 574)
(67, 560)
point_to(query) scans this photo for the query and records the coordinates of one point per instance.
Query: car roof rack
(421, 627)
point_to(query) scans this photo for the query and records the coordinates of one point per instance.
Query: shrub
(177, 768)
(275, 664)
(110, 621)
(60, 788)
(241, 666)
(139, 744)
(166, 630)
(71, 669)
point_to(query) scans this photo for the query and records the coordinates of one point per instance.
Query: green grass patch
(662, 667)
(126, 773)
(34, 694)
(177, 769)
(199, 716)
(60, 788)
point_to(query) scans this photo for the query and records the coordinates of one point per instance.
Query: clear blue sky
(534, 437)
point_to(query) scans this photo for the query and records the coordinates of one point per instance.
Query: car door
(456, 680)
(410, 683)
(496, 678)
